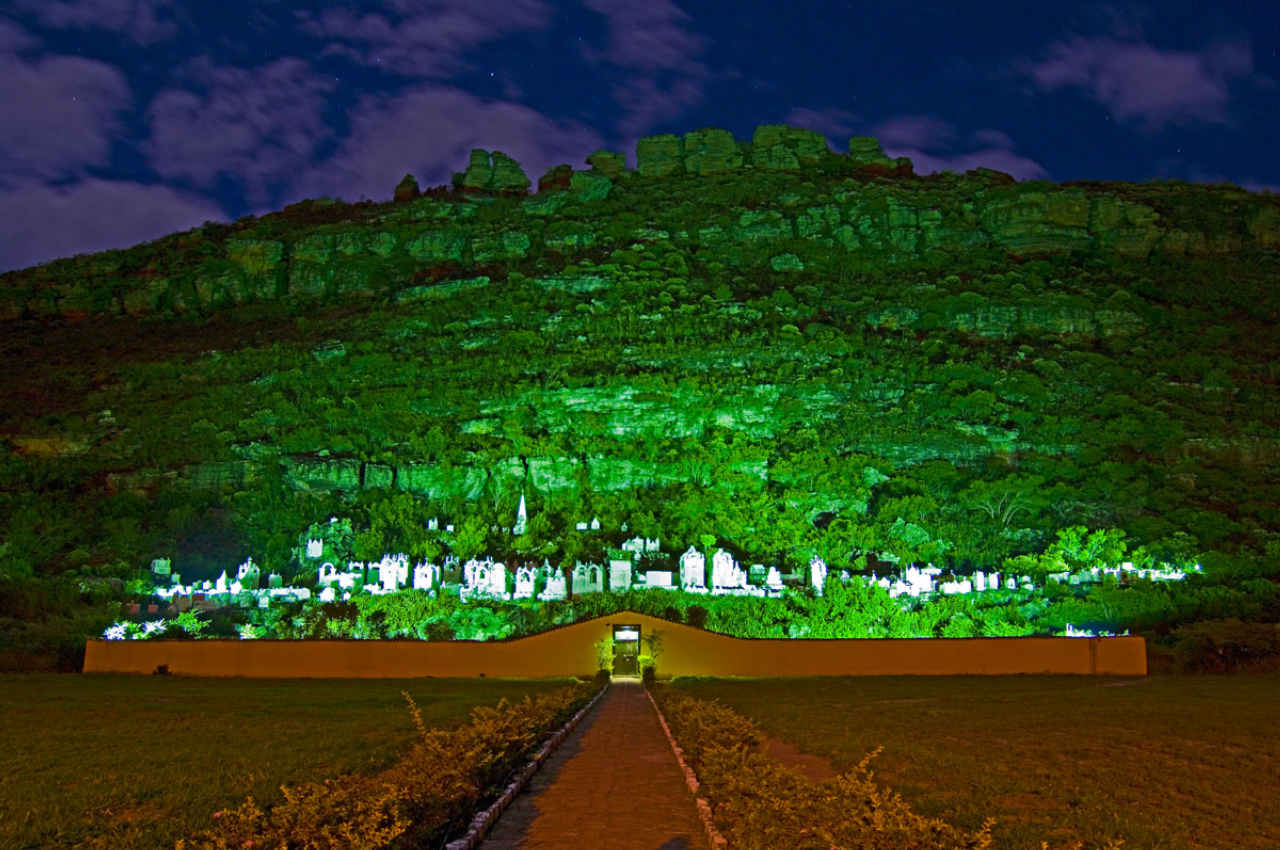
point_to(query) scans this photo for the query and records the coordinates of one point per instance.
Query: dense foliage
(815, 361)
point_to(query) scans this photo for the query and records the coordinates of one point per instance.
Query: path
(613, 785)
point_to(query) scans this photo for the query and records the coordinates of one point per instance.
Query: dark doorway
(626, 650)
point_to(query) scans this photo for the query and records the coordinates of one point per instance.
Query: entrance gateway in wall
(626, 650)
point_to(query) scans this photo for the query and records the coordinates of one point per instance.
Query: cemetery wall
(569, 651)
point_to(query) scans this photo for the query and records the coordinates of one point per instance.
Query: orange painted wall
(569, 651)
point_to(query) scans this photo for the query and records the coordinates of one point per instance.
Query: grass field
(125, 762)
(1168, 762)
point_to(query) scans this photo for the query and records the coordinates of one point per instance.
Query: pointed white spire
(521, 518)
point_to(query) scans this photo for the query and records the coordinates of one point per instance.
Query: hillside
(793, 351)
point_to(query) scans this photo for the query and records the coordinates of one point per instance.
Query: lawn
(1169, 762)
(127, 762)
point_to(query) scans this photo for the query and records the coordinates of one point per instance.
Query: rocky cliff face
(862, 204)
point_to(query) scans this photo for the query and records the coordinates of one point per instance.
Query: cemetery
(637, 569)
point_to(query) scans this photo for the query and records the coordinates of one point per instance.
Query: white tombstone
(433, 524)
(817, 574)
(980, 581)
(595, 524)
(619, 575)
(526, 582)
(726, 575)
(221, 585)
(315, 548)
(693, 571)
(582, 526)
(160, 566)
(328, 594)
(587, 578)
(555, 587)
(993, 581)
(658, 578)
(485, 579)
(773, 581)
(248, 574)
(498, 581)
(393, 572)
(474, 574)
(425, 576)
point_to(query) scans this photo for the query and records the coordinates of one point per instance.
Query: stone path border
(484, 821)
(691, 779)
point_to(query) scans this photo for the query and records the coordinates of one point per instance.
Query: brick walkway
(613, 785)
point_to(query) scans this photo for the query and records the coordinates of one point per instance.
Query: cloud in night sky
(255, 126)
(145, 21)
(660, 76)
(60, 112)
(928, 141)
(429, 130)
(836, 124)
(42, 222)
(14, 38)
(1139, 83)
(423, 38)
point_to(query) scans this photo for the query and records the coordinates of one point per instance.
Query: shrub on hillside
(1222, 646)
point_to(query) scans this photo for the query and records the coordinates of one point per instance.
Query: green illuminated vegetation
(791, 351)
(1057, 758)
(136, 763)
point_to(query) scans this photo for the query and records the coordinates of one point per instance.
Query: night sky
(123, 120)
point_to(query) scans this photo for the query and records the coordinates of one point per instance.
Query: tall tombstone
(425, 576)
(587, 578)
(725, 573)
(693, 571)
(817, 574)
(555, 583)
(526, 580)
(619, 575)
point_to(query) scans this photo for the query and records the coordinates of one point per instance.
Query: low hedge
(761, 805)
(430, 795)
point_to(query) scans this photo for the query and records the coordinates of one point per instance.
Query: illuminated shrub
(428, 796)
(1222, 646)
(759, 804)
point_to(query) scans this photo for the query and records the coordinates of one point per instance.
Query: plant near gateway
(429, 795)
(761, 805)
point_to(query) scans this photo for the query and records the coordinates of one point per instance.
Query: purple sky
(124, 120)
